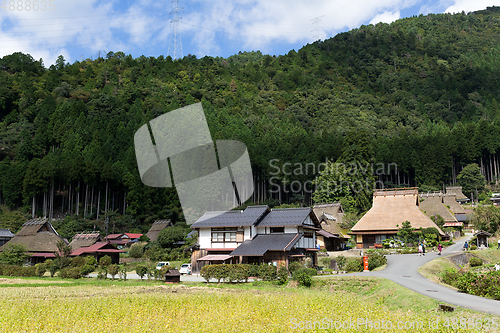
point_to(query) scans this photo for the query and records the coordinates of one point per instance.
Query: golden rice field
(151, 307)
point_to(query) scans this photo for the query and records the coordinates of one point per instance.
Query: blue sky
(86, 28)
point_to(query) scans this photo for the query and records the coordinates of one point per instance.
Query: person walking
(498, 248)
(419, 249)
(466, 246)
(423, 248)
(440, 248)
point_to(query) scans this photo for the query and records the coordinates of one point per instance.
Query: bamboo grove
(423, 89)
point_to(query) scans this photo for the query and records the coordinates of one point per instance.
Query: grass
(491, 255)
(91, 305)
(433, 269)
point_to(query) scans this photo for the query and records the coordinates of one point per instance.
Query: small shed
(172, 276)
(482, 239)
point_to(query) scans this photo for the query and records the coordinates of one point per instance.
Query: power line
(175, 46)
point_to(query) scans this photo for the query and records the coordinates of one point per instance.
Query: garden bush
(303, 278)
(354, 265)
(450, 276)
(113, 270)
(267, 272)
(282, 275)
(86, 269)
(14, 270)
(40, 269)
(376, 259)
(473, 247)
(136, 251)
(474, 262)
(294, 266)
(70, 273)
(78, 262)
(141, 270)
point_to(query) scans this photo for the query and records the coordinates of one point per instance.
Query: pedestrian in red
(440, 248)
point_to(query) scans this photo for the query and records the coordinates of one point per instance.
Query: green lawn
(90, 305)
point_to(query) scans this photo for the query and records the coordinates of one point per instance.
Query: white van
(185, 269)
(161, 264)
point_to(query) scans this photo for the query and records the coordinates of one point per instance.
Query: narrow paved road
(403, 269)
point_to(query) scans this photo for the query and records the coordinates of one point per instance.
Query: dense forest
(422, 89)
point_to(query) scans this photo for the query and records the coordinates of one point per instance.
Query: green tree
(486, 218)
(471, 180)
(14, 254)
(405, 232)
(169, 236)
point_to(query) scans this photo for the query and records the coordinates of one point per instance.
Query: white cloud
(386, 17)
(471, 5)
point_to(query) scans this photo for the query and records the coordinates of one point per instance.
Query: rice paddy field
(355, 304)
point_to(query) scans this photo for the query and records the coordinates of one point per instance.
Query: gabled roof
(5, 233)
(85, 239)
(260, 244)
(99, 247)
(451, 200)
(37, 235)
(289, 217)
(432, 204)
(333, 209)
(158, 226)
(131, 235)
(233, 218)
(114, 236)
(390, 209)
(457, 190)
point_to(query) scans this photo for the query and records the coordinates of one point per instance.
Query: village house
(457, 191)
(331, 236)
(85, 239)
(158, 226)
(391, 207)
(121, 240)
(39, 238)
(99, 250)
(256, 235)
(432, 204)
(5, 236)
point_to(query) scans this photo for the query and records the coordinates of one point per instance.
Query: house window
(308, 235)
(277, 230)
(224, 235)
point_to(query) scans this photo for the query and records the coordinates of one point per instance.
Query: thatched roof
(158, 226)
(455, 207)
(390, 209)
(37, 235)
(330, 215)
(85, 239)
(432, 204)
(457, 190)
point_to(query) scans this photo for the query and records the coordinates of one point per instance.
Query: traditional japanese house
(331, 236)
(457, 191)
(85, 239)
(158, 226)
(391, 207)
(39, 238)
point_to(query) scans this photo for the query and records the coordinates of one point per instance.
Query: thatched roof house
(432, 204)
(459, 196)
(450, 200)
(391, 207)
(39, 237)
(85, 239)
(5, 236)
(158, 226)
(331, 236)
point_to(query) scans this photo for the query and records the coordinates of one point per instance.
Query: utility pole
(317, 28)
(175, 46)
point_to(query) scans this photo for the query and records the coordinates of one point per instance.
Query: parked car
(185, 269)
(161, 264)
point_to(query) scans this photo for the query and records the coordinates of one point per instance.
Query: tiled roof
(286, 217)
(234, 218)
(99, 247)
(260, 244)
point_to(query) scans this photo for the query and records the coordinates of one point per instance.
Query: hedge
(239, 272)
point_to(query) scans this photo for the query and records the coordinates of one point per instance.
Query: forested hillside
(422, 89)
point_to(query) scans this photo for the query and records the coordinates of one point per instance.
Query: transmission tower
(175, 46)
(317, 30)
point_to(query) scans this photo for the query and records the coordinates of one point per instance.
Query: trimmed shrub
(267, 272)
(78, 262)
(136, 251)
(14, 270)
(40, 269)
(282, 275)
(90, 260)
(105, 261)
(473, 247)
(354, 265)
(86, 269)
(113, 270)
(51, 266)
(303, 278)
(450, 276)
(70, 273)
(376, 259)
(294, 266)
